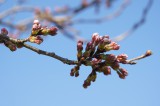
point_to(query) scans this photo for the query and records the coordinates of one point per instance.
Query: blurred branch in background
(63, 16)
(107, 17)
(137, 24)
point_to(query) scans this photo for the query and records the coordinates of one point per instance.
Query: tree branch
(132, 61)
(51, 54)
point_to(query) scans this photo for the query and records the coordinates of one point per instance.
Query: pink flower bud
(110, 58)
(39, 26)
(53, 30)
(121, 75)
(115, 65)
(123, 71)
(86, 83)
(76, 74)
(79, 47)
(4, 31)
(105, 41)
(95, 36)
(114, 46)
(122, 58)
(72, 72)
(148, 53)
(106, 70)
(35, 39)
(106, 36)
(34, 27)
(89, 46)
(36, 22)
(12, 48)
(95, 61)
(80, 41)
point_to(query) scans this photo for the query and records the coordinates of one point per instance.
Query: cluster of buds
(35, 37)
(38, 30)
(95, 57)
(8, 44)
(4, 31)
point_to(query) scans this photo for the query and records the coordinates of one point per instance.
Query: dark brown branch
(51, 54)
(15, 41)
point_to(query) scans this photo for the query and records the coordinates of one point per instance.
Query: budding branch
(94, 54)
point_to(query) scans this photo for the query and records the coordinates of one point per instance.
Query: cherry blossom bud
(92, 77)
(122, 58)
(106, 70)
(110, 58)
(95, 36)
(115, 65)
(89, 46)
(74, 71)
(106, 41)
(80, 45)
(4, 31)
(86, 84)
(34, 27)
(80, 41)
(95, 61)
(53, 31)
(106, 36)
(123, 71)
(10, 45)
(36, 22)
(35, 39)
(148, 53)
(121, 75)
(114, 46)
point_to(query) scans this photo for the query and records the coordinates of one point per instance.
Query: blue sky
(29, 79)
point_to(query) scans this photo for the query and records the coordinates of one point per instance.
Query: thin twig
(51, 54)
(132, 61)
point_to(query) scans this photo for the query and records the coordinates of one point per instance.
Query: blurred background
(30, 79)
